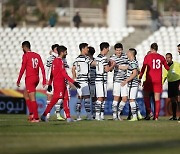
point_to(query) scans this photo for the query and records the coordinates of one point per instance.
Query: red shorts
(60, 92)
(31, 84)
(152, 87)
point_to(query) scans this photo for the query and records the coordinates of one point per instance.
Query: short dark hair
(134, 51)
(26, 44)
(54, 46)
(169, 54)
(178, 45)
(91, 50)
(104, 45)
(118, 45)
(154, 46)
(61, 48)
(82, 45)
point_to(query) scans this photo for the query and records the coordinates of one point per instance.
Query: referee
(173, 78)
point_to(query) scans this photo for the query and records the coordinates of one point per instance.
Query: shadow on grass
(166, 147)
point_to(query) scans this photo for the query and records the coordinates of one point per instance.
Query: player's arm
(143, 68)
(109, 67)
(165, 64)
(23, 67)
(132, 76)
(47, 69)
(74, 72)
(42, 71)
(123, 67)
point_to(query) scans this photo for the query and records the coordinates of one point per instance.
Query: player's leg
(49, 107)
(49, 97)
(124, 95)
(78, 104)
(132, 98)
(116, 94)
(58, 108)
(157, 105)
(138, 111)
(93, 100)
(29, 105)
(86, 97)
(104, 90)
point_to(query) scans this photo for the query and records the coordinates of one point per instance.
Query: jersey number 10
(156, 63)
(34, 62)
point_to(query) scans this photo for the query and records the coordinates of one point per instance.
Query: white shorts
(93, 90)
(84, 90)
(132, 92)
(101, 90)
(118, 90)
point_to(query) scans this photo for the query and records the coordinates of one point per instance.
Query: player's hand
(77, 85)
(123, 83)
(18, 84)
(49, 88)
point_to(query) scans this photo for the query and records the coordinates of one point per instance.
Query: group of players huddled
(89, 76)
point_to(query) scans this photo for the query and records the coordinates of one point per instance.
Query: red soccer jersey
(153, 62)
(31, 62)
(59, 74)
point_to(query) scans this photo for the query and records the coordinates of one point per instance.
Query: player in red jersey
(31, 62)
(153, 63)
(59, 77)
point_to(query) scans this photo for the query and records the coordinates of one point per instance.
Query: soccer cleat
(149, 116)
(48, 116)
(60, 118)
(70, 120)
(129, 118)
(30, 117)
(139, 116)
(179, 118)
(173, 118)
(119, 118)
(134, 119)
(155, 119)
(34, 120)
(44, 118)
(79, 119)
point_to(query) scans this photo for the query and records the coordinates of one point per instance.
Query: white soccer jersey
(82, 64)
(48, 65)
(119, 75)
(101, 74)
(133, 65)
(92, 75)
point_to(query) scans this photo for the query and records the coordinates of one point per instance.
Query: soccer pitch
(106, 137)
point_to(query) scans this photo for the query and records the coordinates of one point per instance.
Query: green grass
(19, 136)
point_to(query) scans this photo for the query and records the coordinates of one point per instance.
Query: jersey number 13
(156, 63)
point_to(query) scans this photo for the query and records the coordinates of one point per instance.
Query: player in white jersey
(92, 77)
(80, 72)
(102, 67)
(120, 74)
(133, 82)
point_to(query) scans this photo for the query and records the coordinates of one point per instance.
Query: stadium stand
(41, 40)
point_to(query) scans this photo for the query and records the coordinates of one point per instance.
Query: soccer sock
(87, 105)
(78, 107)
(50, 106)
(66, 107)
(137, 108)
(130, 113)
(35, 109)
(114, 109)
(93, 109)
(102, 109)
(174, 108)
(147, 105)
(29, 106)
(98, 108)
(157, 108)
(57, 106)
(48, 115)
(121, 106)
(133, 109)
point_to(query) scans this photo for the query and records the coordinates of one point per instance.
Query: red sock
(157, 108)
(50, 105)
(29, 106)
(147, 104)
(66, 107)
(35, 109)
